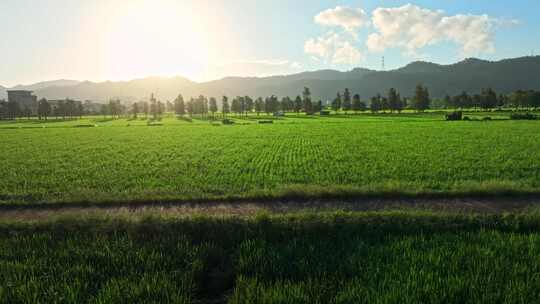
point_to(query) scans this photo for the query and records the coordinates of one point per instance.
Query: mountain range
(469, 75)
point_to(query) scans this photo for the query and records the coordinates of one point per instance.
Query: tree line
(207, 107)
(346, 101)
(488, 99)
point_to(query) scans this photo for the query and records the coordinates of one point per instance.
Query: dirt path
(244, 209)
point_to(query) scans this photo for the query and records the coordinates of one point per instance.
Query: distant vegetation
(344, 103)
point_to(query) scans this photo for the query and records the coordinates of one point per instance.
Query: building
(25, 99)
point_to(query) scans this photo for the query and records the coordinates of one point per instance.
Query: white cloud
(347, 54)
(411, 28)
(350, 19)
(333, 48)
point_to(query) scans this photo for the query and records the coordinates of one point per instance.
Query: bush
(486, 118)
(523, 116)
(266, 121)
(325, 113)
(467, 118)
(227, 122)
(458, 115)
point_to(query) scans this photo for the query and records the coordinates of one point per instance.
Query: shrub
(486, 118)
(325, 113)
(266, 121)
(227, 122)
(466, 118)
(458, 115)
(523, 116)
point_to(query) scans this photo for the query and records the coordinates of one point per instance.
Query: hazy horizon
(208, 40)
(237, 76)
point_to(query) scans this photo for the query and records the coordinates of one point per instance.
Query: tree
(179, 106)
(357, 104)
(44, 109)
(376, 104)
(518, 98)
(80, 109)
(204, 105)
(190, 107)
(336, 103)
(259, 105)
(297, 104)
(144, 108)
(488, 99)
(225, 109)
(135, 110)
(306, 100)
(462, 100)
(153, 107)
(115, 108)
(271, 104)
(400, 103)
(213, 106)
(235, 106)
(346, 105)
(241, 104)
(287, 104)
(394, 101)
(384, 104)
(421, 99)
(249, 104)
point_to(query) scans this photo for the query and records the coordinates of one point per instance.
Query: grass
(338, 156)
(388, 257)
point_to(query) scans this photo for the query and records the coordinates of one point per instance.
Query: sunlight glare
(165, 39)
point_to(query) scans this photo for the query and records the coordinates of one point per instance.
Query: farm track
(251, 208)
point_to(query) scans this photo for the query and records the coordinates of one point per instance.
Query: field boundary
(248, 208)
(27, 202)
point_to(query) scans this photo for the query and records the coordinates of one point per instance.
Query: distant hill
(470, 75)
(164, 88)
(46, 84)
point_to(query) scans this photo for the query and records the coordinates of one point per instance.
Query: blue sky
(119, 39)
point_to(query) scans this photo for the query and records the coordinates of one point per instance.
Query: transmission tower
(382, 63)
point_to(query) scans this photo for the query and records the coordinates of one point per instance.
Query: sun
(161, 38)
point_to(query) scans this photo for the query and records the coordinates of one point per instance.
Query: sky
(202, 40)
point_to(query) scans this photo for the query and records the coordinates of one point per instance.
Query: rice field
(105, 161)
(389, 257)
